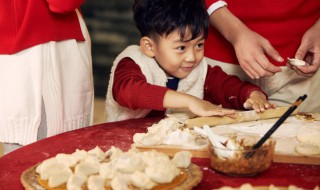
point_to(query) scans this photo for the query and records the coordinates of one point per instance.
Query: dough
(296, 62)
(307, 149)
(309, 135)
(309, 141)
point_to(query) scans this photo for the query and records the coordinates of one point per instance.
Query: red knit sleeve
(131, 90)
(59, 6)
(227, 90)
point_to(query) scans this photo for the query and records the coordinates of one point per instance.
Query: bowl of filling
(235, 156)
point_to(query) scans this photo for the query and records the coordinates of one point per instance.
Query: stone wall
(112, 29)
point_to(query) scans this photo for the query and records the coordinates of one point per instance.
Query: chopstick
(278, 123)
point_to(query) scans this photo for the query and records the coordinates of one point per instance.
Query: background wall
(112, 29)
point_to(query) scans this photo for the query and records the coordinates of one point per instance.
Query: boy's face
(179, 57)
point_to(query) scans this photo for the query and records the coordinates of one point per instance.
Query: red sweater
(131, 90)
(26, 23)
(282, 22)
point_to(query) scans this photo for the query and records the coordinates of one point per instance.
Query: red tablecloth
(120, 134)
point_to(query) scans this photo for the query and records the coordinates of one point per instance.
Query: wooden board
(280, 157)
(1, 150)
(191, 178)
(242, 116)
(171, 150)
(297, 159)
(203, 153)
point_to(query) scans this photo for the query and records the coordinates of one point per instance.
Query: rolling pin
(241, 116)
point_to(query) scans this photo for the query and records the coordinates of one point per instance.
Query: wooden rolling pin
(242, 116)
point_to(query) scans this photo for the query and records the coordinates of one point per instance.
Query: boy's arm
(131, 90)
(228, 90)
(173, 99)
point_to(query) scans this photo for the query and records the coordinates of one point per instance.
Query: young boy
(168, 70)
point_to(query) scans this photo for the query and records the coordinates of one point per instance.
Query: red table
(120, 134)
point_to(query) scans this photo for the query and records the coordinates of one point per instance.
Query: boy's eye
(200, 45)
(181, 48)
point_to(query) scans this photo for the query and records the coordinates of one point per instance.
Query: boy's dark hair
(155, 18)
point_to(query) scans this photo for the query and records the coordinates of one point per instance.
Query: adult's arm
(59, 6)
(251, 48)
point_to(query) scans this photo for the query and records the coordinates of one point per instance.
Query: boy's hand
(205, 108)
(197, 106)
(258, 102)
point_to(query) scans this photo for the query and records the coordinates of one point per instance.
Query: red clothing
(130, 89)
(282, 22)
(26, 23)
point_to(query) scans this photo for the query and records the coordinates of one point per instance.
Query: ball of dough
(307, 149)
(309, 135)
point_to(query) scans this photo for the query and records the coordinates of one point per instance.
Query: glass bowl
(242, 161)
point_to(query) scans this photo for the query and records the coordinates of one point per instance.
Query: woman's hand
(309, 51)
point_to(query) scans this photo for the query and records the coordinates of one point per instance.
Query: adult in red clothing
(45, 70)
(167, 70)
(253, 40)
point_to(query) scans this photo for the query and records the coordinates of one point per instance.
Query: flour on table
(295, 136)
(291, 134)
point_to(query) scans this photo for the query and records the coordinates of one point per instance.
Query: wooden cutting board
(242, 117)
(203, 153)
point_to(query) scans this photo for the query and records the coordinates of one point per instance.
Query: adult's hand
(251, 48)
(309, 51)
